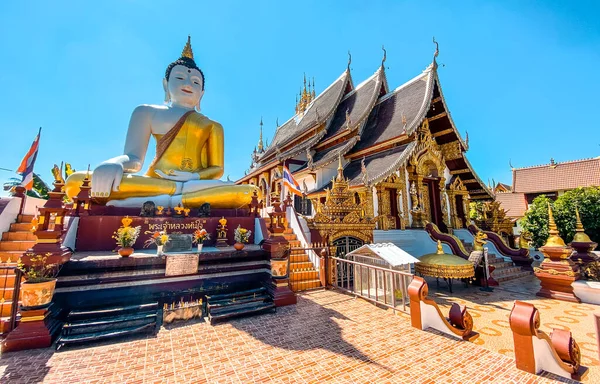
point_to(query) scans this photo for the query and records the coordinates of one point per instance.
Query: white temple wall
(407, 194)
(375, 202)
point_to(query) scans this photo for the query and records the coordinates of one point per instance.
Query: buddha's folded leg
(131, 186)
(225, 196)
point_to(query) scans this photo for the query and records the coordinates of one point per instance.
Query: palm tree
(40, 188)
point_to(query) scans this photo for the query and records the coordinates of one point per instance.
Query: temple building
(551, 180)
(398, 150)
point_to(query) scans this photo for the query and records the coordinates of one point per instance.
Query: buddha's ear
(166, 88)
(199, 100)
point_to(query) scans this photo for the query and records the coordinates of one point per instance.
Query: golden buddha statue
(189, 156)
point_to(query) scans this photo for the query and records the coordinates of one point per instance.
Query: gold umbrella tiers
(444, 265)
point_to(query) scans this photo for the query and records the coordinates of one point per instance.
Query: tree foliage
(40, 188)
(587, 200)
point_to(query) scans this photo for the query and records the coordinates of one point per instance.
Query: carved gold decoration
(452, 150)
(340, 215)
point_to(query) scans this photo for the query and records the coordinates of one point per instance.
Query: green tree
(587, 200)
(40, 188)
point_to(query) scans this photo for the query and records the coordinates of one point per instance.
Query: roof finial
(510, 164)
(437, 49)
(384, 55)
(348, 118)
(349, 59)
(260, 139)
(467, 139)
(340, 176)
(187, 50)
(277, 122)
(313, 89)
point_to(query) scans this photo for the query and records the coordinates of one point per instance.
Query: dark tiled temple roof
(386, 121)
(318, 112)
(378, 166)
(357, 103)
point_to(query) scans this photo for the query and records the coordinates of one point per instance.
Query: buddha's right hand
(106, 178)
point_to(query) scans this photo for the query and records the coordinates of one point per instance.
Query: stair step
(19, 236)
(5, 308)
(10, 256)
(97, 336)
(243, 300)
(75, 314)
(109, 324)
(236, 307)
(24, 218)
(301, 265)
(512, 276)
(263, 307)
(288, 231)
(299, 258)
(18, 227)
(224, 296)
(16, 245)
(304, 275)
(289, 236)
(305, 285)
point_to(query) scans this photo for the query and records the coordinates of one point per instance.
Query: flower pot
(200, 247)
(279, 268)
(238, 246)
(37, 294)
(159, 250)
(125, 251)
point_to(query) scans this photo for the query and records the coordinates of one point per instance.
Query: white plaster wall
(430, 318)
(10, 213)
(375, 202)
(32, 204)
(407, 194)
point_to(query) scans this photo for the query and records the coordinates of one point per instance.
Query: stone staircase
(12, 245)
(505, 270)
(237, 304)
(303, 275)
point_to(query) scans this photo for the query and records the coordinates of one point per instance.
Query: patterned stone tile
(328, 337)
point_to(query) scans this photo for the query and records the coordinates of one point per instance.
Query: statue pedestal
(35, 330)
(556, 273)
(279, 248)
(583, 252)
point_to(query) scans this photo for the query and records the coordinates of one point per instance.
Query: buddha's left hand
(178, 175)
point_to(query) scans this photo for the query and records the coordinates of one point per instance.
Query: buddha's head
(184, 81)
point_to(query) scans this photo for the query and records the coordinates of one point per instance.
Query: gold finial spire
(313, 94)
(340, 176)
(437, 49)
(554, 239)
(349, 59)
(187, 50)
(384, 56)
(440, 249)
(260, 139)
(580, 235)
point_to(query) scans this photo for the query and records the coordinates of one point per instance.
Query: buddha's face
(184, 86)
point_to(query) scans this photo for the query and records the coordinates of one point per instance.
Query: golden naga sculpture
(189, 156)
(479, 241)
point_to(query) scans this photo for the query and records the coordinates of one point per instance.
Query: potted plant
(241, 236)
(40, 280)
(126, 236)
(199, 237)
(159, 239)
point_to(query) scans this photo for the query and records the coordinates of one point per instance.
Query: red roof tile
(514, 203)
(558, 176)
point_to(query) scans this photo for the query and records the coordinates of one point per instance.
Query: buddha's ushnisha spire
(580, 235)
(187, 50)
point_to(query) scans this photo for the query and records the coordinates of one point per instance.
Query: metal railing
(380, 285)
(6, 273)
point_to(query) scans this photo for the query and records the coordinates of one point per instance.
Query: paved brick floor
(327, 337)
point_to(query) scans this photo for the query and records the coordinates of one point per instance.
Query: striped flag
(26, 167)
(289, 180)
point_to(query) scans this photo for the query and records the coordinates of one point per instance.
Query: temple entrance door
(393, 194)
(460, 211)
(343, 246)
(435, 207)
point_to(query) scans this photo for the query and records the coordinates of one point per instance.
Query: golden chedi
(582, 243)
(189, 157)
(557, 272)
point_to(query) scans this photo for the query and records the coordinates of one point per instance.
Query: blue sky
(520, 76)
